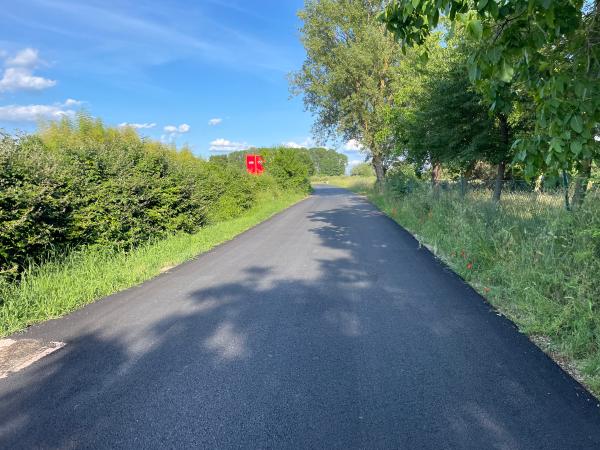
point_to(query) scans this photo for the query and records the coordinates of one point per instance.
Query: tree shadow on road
(375, 346)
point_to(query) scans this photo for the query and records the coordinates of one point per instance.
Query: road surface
(324, 327)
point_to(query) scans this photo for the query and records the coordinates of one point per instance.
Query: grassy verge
(536, 263)
(57, 288)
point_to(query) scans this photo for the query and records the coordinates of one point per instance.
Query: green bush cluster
(78, 183)
(290, 167)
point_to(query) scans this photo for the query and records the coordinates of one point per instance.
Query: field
(535, 262)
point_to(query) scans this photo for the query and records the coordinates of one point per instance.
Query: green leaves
(475, 29)
(576, 123)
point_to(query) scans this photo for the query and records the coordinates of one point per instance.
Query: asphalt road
(324, 327)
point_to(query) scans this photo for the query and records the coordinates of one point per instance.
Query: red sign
(255, 164)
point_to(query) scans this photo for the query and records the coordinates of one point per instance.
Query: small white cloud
(28, 58)
(17, 79)
(224, 145)
(306, 143)
(353, 145)
(215, 121)
(33, 113)
(183, 128)
(137, 126)
(72, 102)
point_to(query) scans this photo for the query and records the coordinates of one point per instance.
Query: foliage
(439, 117)
(362, 170)
(328, 162)
(78, 183)
(66, 283)
(290, 167)
(347, 76)
(549, 48)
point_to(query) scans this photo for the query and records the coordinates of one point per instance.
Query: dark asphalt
(324, 327)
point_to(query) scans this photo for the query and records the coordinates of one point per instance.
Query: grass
(535, 262)
(58, 287)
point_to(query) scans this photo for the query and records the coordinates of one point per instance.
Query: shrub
(78, 183)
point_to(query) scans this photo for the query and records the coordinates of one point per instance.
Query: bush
(78, 183)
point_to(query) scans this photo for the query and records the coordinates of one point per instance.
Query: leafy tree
(362, 170)
(346, 78)
(439, 118)
(328, 162)
(549, 47)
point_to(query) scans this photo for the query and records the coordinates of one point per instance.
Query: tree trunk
(566, 190)
(581, 183)
(499, 181)
(436, 173)
(379, 172)
(505, 139)
(463, 184)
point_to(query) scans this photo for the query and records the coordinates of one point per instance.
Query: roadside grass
(535, 262)
(55, 288)
(355, 183)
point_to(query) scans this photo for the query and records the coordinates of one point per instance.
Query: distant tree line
(318, 161)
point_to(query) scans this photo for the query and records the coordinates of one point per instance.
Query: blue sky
(209, 73)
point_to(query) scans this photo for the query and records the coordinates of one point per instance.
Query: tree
(439, 118)
(362, 170)
(346, 78)
(328, 162)
(549, 47)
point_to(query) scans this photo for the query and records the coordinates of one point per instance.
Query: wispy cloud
(215, 121)
(137, 126)
(224, 145)
(33, 113)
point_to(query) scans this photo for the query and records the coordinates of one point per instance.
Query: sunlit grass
(534, 261)
(61, 286)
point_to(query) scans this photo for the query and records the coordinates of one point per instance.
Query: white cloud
(306, 143)
(174, 131)
(32, 113)
(17, 79)
(215, 121)
(224, 145)
(18, 75)
(183, 128)
(28, 58)
(353, 145)
(137, 126)
(72, 102)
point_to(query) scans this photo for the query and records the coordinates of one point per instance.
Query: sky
(211, 74)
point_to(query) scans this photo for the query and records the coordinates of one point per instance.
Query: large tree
(549, 47)
(347, 77)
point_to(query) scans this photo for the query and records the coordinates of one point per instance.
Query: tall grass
(58, 287)
(535, 262)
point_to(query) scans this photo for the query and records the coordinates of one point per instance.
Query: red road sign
(255, 164)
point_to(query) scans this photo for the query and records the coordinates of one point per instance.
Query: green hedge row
(78, 183)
